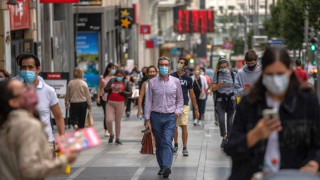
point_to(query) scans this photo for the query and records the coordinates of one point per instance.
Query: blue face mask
(119, 79)
(163, 70)
(2, 79)
(113, 71)
(28, 76)
(223, 70)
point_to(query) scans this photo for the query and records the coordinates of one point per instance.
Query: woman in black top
(290, 142)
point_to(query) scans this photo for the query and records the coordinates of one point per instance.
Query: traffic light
(314, 62)
(301, 59)
(313, 44)
(315, 72)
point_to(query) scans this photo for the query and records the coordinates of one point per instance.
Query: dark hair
(106, 71)
(298, 62)
(18, 58)
(258, 92)
(152, 66)
(251, 56)
(202, 68)
(6, 94)
(6, 74)
(163, 58)
(121, 72)
(185, 61)
(27, 56)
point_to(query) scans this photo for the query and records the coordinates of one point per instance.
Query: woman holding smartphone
(287, 137)
(225, 101)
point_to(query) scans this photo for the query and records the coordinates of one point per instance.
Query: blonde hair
(77, 73)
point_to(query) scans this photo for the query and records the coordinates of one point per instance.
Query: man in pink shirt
(164, 103)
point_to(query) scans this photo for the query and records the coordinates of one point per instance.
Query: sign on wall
(145, 29)
(194, 21)
(88, 58)
(90, 2)
(126, 17)
(19, 15)
(89, 22)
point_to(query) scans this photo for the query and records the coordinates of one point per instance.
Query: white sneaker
(199, 123)
(195, 122)
(106, 134)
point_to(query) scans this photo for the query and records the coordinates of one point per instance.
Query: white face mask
(276, 84)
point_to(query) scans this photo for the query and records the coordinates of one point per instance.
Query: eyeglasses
(166, 65)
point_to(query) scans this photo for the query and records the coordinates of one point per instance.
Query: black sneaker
(166, 172)
(118, 142)
(111, 138)
(175, 149)
(160, 171)
(185, 151)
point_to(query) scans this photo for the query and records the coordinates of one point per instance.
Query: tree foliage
(287, 20)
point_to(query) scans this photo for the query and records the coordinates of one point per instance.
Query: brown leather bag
(146, 143)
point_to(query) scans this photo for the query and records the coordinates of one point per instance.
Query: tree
(238, 46)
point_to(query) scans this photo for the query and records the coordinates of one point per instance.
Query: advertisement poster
(88, 58)
(20, 15)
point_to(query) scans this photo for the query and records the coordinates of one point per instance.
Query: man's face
(163, 63)
(182, 63)
(29, 65)
(251, 63)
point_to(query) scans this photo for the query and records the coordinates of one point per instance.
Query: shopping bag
(89, 119)
(146, 143)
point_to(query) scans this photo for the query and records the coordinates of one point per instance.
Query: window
(231, 7)
(242, 6)
(262, 6)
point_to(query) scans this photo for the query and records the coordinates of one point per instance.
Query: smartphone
(270, 114)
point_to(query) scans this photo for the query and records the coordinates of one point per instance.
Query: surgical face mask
(164, 70)
(113, 71)
(119, 79)
(223, 70)
(276, 84)
(179, 67)
(202, 73)
(151, 76)
(28, 76)
(197, 72)
(252, 67)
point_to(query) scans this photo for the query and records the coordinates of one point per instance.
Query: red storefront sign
(150, 44)
(54, 76)
(145, 29)
(59, 1)
(19, 15)
(194, 21)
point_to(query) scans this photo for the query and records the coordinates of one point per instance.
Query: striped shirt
(229, 86)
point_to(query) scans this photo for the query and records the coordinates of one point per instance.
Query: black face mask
(252, 67)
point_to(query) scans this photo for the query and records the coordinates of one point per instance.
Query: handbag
(89, 119)
(201, 94)
(147, 147)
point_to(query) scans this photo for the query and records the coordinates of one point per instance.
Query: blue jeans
(163, 128)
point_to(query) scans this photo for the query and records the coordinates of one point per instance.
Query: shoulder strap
(218, 77)
(232, 75)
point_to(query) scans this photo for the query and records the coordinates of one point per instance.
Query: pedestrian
(200, 87)
(300, 73)
(4, 75)
(151, 73)
(225, 102)
(132, 81)
(102, 95)
(163, 105)
(182, 121)
(247, 76)
(78, 99)
(119, 90)
(207, 91)
(24, 153)
(19, 75)
(30, 68)
(288, 140)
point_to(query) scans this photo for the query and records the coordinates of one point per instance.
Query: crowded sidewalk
(110, 161)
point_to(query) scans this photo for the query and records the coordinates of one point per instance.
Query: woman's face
(277, 68)
(223, 65)
(112, 67)
(152, 72)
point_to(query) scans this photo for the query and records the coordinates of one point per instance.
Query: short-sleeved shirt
(115, 95)
(228, 88)
(47, 98)
(302, 75)
(186, 84)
